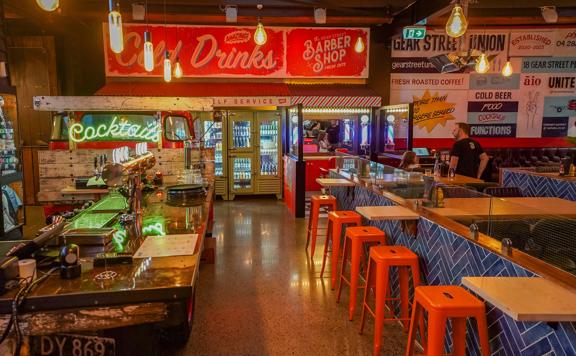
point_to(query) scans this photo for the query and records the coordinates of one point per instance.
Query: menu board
(538, 100)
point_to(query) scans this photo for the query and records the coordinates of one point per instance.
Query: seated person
(409, 161)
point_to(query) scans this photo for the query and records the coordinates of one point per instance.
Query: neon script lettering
(115, 130)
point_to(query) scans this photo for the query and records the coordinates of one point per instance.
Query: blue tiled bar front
(445, 258)
(535, 184)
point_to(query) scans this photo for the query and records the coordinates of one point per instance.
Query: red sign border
(282, 74)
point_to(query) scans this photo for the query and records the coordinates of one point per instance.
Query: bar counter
(535, 184)
(448, 254)
(153, 290)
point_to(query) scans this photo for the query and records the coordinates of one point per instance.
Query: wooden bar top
(72, 190)
(334, 182)
(142, 281)
(387, 213)
(553, 175)
(526, 298)
(456, 208)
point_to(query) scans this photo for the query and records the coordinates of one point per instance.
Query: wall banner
(493, 130)
(549, 65)
(554, 126)
(230, 51)
(532, 43)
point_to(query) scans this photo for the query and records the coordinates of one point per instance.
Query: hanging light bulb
(260, 36)
(48, 5)
(178, 69)
(507, 70)
(457, 24)
(482, 65)
(115, 29)
(148, 52)
(167, 67)
(359, 45)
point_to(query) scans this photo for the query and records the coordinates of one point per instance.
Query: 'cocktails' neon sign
(115, 131)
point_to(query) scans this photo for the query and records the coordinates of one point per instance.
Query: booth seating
(524, 157)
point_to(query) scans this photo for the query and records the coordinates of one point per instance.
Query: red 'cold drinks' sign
(218, 51)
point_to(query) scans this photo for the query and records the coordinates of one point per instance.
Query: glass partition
(544, 227)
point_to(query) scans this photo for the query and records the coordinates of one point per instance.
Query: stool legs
(381, 292)
(310, 219)
(483, 332)
(416, 317)
(354, 277)
(314, 231)
(436, 334)
(459, 336)
(336, 234)
(329, 228)
(404, 299)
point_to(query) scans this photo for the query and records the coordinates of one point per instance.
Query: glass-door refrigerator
(215, 137)
(241, 153)
(268, 129)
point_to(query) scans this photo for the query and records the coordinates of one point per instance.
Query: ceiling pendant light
(507, 70)
(48, 5)
(115, 28)
(148, 46)
(260, 36)
(457, 24)
(178, 73)
(148, 52)
(482, 65)
(359, 45)
(167, 67)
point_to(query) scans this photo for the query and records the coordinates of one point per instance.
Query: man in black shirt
(467, 156)
(333, 132)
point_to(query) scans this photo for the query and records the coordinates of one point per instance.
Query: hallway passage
(263, 296)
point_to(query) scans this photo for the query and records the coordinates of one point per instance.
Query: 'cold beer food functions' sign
(231, 52)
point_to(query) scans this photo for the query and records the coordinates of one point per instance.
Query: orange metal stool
(355, 238)
(336, 220)
(441, 303)
(317, 202)
(384, 257)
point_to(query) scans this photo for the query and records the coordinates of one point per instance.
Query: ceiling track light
(457, 24)
(320, 15)
(231, 13)
(549, 14)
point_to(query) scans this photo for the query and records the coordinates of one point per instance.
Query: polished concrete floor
(263, 296)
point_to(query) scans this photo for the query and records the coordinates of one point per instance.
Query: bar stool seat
(316, 203)
(382, 258)
(336, 220)
(442, 303)
(356, 237)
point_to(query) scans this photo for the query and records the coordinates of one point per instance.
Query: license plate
(72, 345)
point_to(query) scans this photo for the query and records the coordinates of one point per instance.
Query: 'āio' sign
(115, 131)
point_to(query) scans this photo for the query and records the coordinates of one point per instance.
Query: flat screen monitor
(421, 151)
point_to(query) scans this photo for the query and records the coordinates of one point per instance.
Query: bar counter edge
(447, 255)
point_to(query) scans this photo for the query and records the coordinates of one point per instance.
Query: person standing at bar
(333, 132)
(467, 157)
